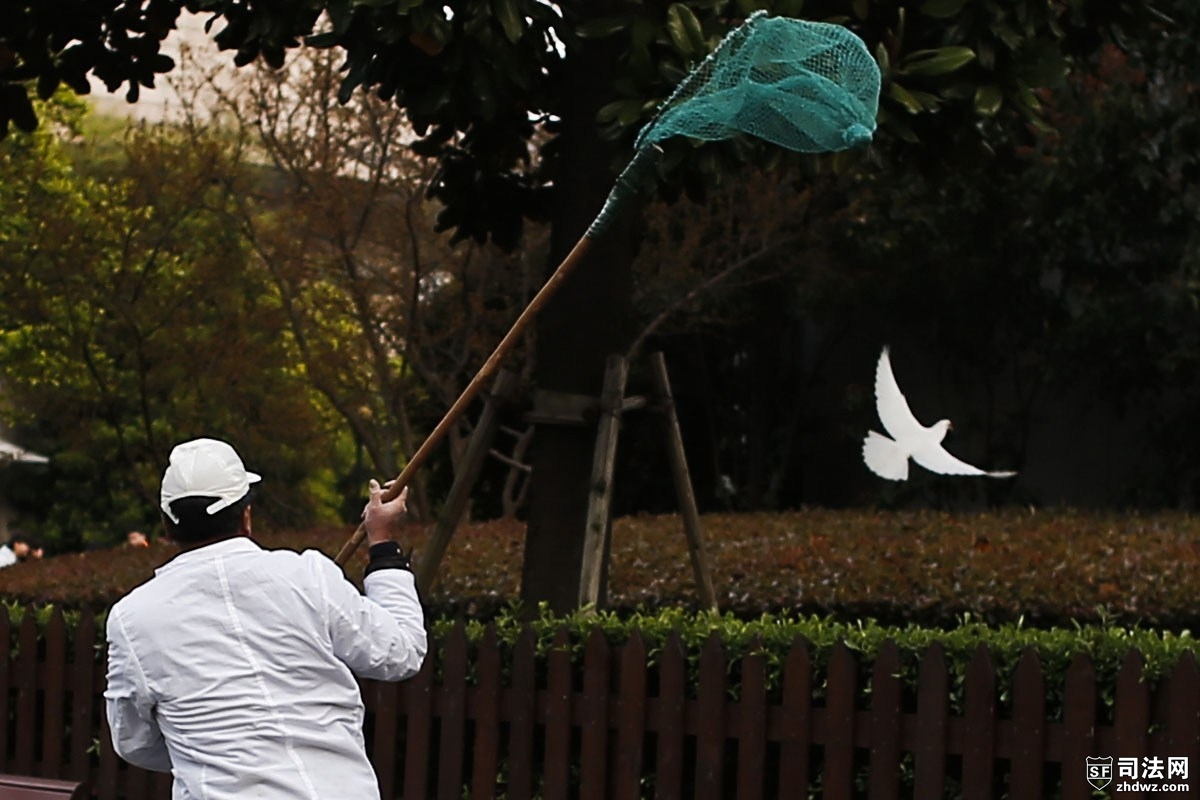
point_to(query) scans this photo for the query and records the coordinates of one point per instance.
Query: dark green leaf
(603, 27)
(510, 18)
(19, 107)
(47, 84)
(882, 58)
(942, 9)
(1043, 65)
(748, 7)
(941, 61)
(1012, 40)
(625, 112)
(685, 32)
(988, 99)
(328, 39)
(904, 98)
(895, 127)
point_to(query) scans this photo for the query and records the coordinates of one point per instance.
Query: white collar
(230, 546)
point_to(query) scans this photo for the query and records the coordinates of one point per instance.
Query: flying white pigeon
(888, 458)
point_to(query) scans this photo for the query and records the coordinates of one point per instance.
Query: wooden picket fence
(618, 728)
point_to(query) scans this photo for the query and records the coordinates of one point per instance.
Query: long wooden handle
(485, 373)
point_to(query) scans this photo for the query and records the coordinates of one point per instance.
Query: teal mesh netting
(811, 87)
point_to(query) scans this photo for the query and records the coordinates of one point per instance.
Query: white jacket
(234, 669)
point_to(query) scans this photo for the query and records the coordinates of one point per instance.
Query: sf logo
(1099, 771)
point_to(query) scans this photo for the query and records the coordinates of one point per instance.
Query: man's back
(245, 659)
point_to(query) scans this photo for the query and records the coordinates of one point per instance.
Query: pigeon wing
(893, 409)
(937, 459)
(884, 457)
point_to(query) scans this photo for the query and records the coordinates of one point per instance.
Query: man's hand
(382, 520)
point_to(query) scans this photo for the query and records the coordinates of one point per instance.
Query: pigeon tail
(884, 457)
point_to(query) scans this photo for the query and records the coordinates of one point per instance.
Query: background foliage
(1034, 568)
(131, 319)
(1026, 216)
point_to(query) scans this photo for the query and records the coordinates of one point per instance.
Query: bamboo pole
(489, 368)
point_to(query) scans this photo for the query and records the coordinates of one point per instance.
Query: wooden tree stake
(596, 534)
(701, 566)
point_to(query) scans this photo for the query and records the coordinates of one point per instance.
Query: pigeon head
(941, 428)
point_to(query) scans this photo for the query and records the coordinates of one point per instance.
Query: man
(27, 549)
(234, 666)
(19, 548)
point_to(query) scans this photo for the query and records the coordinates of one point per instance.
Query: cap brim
(252, 477)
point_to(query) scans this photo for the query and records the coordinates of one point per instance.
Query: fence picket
(162, 785)
(453, 734)
(384, 699)
(752, 727)
(933, 710)
(1183, 721)
(797, 714)
(672, 705)
(6, 680)
(106, 780)
(26, 705)
(1029, 720)
(839, 724)
(1131, 716)
(710, 721)
(83, 698)
(979, 717)
(523, 715)
(486, 751)
(137, 783)
(54, 693)
(886, 724)
(631, 720)
(1079, 727)
(593, 706)
(418, 703)
(557, 769)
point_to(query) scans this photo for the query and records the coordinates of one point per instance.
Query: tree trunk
(585, 322)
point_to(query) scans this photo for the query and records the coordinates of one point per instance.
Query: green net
(811, 87)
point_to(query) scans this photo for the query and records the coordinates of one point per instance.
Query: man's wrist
(387, 555)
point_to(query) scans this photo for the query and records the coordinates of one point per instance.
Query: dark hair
(197, 525)
(21, 536)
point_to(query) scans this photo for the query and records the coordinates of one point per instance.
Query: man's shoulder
(316, 561)
(304, 566)
(143, 598)
(302, 559)
(282, 563)
(146, 593)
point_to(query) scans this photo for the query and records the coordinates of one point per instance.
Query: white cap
(205, 468)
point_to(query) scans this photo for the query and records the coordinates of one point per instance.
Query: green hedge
(773, 635)
(1045, 568)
